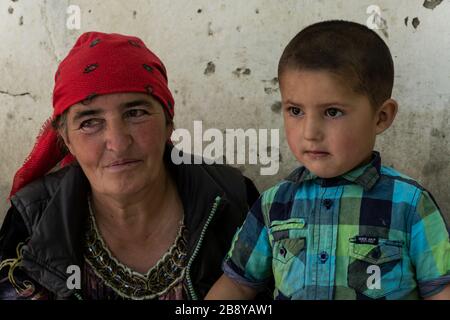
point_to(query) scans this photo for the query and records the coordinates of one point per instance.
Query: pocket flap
(289, 248)
(384, 251)
(292, 228)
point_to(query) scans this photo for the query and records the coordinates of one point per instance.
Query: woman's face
(119, 141)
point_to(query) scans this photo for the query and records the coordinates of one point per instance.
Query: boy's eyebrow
(125, 105)
(328, 104)
(320, 105)
(289, 102)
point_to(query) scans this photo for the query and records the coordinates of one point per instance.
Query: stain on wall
(276, 107)
(271, 86)
(242, 71)
(210, 68)
(431, 4)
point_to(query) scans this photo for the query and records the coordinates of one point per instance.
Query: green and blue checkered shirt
(371, 233)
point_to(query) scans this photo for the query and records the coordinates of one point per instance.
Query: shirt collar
(366, 175)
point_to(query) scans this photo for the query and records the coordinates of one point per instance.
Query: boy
(342, 226)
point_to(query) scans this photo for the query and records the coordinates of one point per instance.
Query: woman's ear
(62, 132)
(385, 115)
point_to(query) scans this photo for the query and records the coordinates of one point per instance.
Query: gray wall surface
(222, 60)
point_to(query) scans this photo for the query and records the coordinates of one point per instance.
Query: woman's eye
(135, 113)
(295, 111)
(334, 113)
(90, 125)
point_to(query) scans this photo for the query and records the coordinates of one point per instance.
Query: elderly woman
(99, 196)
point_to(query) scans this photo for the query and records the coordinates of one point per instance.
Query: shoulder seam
(409, 181)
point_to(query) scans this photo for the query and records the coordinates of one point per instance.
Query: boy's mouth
(316, 153)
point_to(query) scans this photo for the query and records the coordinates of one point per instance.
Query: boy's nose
(312, 129)
(117, 137)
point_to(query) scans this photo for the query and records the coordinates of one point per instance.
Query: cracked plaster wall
(222, 62)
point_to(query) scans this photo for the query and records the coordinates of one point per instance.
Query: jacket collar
(365, 175)
(197, 189)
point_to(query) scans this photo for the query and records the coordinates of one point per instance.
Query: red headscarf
(99, 63)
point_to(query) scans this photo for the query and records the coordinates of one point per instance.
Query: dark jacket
(48, 216)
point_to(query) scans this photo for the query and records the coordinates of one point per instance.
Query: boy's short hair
(349, 49)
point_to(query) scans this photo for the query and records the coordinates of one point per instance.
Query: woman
(115, 218)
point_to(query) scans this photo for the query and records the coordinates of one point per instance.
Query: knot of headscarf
(99, 63)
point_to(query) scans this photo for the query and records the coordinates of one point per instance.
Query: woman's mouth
(120, 165)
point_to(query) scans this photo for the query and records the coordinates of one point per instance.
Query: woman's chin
(121, 189)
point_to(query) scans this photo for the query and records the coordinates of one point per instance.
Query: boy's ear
(385, 115)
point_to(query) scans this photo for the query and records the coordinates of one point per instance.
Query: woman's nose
(118, 137)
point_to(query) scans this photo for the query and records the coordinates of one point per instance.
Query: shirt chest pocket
(289, 260)
(375, 270)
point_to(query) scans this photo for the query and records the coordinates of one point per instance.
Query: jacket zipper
(197, 248)
(77, 295)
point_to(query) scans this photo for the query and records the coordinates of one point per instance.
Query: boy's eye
(333, 113)
(295, 111)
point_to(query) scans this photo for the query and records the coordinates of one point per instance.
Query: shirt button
(328, 203)
(283, 252)
(376, 253)
(323, 256)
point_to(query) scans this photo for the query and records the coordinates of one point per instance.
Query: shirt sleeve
(430, 246)
(249, 261)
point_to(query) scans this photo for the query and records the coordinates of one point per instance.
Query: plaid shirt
(371, 233)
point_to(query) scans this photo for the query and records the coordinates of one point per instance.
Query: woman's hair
(60, 121)
(58, 124)
(348, 49)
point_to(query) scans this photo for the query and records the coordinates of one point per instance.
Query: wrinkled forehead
(116, 101)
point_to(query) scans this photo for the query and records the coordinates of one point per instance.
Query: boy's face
(330, 128)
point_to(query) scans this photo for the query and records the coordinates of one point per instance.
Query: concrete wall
(222, 60)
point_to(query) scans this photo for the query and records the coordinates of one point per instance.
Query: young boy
(342, 226)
